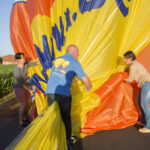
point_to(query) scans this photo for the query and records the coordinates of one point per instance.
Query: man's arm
(82, 76)
(87, 83)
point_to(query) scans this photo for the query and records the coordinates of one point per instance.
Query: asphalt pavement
(123, 139)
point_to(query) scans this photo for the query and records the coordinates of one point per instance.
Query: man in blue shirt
(58, 87)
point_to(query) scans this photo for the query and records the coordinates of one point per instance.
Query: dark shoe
(22, 126)
(27, 121)
(140, 123)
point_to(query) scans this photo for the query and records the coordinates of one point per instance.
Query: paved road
(124, 139)
(9, 129)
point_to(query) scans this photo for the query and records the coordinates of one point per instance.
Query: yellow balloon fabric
(43, 133)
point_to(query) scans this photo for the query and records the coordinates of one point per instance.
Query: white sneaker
(144, 130)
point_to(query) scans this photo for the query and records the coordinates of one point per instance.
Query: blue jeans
(145, 99)
(141, 109)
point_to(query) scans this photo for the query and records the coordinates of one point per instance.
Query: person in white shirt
(138, 73)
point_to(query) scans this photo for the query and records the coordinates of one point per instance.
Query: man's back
(63, 71)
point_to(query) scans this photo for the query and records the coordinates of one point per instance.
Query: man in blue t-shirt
(58, 87)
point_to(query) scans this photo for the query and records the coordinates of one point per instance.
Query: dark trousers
(65, 109)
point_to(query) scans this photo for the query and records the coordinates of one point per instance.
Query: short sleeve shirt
(63, 71)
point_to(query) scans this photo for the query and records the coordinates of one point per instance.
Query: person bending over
(58, 87)
(138, 73)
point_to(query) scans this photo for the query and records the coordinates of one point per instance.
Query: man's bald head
(72, 47)
(73, 50)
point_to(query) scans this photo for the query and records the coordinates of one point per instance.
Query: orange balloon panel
(44, 7)
(117, 109)
(20, 26)
(144, 57)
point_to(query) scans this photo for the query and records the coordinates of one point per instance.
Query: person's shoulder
(133, 66)
(76, 63)
(67, 57)
(134, 63)
(137, 63)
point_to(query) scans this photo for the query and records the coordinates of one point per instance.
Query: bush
(6, 79)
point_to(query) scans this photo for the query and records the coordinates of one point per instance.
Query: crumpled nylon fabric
(43, 133)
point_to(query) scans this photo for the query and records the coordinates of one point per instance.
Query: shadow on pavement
(9, 129)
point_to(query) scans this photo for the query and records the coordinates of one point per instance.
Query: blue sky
(5, 43)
